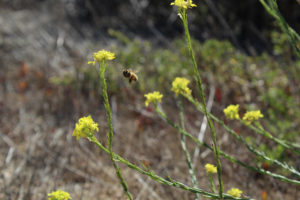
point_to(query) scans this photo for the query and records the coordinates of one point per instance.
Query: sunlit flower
(102, 56)
(179, 86)
(59, 195)
(210, 169)
(232, 112)
(190, 4)
(180, 4)
(235, 192)
(153, 97)
(85, 128)
(183, 4)
(251, 116)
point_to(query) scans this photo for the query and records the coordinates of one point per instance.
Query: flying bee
(130, 75)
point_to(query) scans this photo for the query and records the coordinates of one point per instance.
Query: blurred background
(46, 85)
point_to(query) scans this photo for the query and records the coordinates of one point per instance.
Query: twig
(9, 155)
(184, 148)
(159, 179)
(184, 19)
(110, 134)
(114, 110)
(228, 157)
(241, 139)
(203, 127)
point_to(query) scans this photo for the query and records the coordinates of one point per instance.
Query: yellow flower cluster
(235, 192)
(210, 169)
(232, 112)
(183, 4)
(251, 116)
(102, 56)
(153, 97)
(180, 86)
(85, 128)
(59, 195)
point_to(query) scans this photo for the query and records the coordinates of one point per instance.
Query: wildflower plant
(153, 97)
(251, 116)
(235, 192)
(272, 8)
(59, 195)
(183, 16)
(182, 4)
(86, 128)
(180, 86)
(232, 112)
(210, 170)
(101, 57)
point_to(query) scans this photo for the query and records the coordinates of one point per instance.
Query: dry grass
(38, 153)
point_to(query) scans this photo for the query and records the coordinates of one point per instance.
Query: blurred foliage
(280, 46)
(258, 81)
(245, 23)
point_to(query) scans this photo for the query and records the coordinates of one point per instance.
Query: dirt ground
(39, 154)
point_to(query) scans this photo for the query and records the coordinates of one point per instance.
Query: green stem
(211, 181)
(228, 157)
(272, 8)
(241, 139)
(159, 179)
(184, 148)
(110, 134)
(200, 87)
(260, 130)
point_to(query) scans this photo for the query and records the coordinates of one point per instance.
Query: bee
(130, 75)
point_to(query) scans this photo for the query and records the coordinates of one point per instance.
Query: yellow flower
(102, 56)
(251, 116)
(183, 4)
(153, 97)
(210, 169)
(190, 4)
(179, 3)
(235, 192)
(179, 86)
(59, 195)
(85, 128)
(232, 112)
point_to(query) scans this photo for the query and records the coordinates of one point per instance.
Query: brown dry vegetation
(38, 152)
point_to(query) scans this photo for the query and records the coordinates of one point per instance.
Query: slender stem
(159, 179)
(260, 130)
(211, 181)
(184, 148)
(241, 139)
(200, 87)
(228, 157)
(110, 134)
(272, 8)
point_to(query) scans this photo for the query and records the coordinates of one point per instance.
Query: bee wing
(134, 71)
(137, 70)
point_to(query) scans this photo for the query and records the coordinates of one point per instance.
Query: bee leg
(130, 80)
